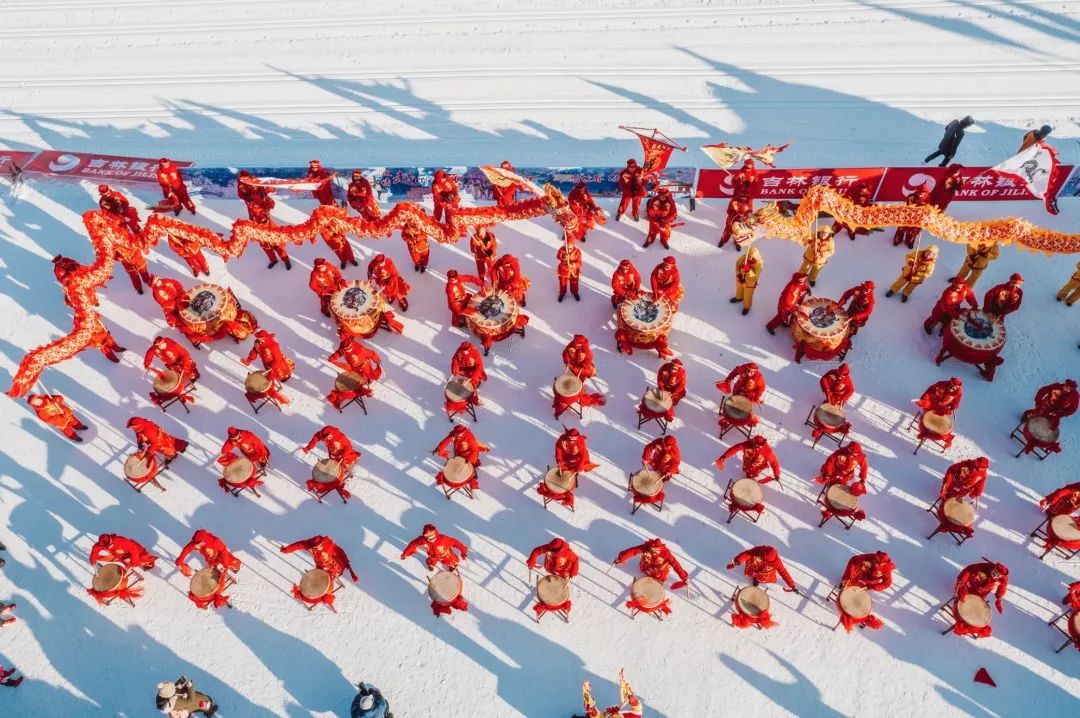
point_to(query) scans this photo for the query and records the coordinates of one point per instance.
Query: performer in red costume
(744, 380)
(657, 561)
(578, 358)
(190, 250)
(103, 340)
(945, 191)
(671, 377)
(506, 276)
(173, 356)
(259, 201)
(170, 181)
(361, 197)
(484, 245)
(872, 571)
(661, 212)
(248, 444)
(568, 270)
(114, 548)
(942, 397)
(338, 446)
(339, 244)
(1054, 402)
(558, 558)
(469, 363)
(625, 283)
(444, 194)
(116, 205)
(918, 198)
(572, 453)
(416, 241)
(267, 349)
(353, 356)
(757, 456)
(505, 196)
(134, 263)
(949, 305)
(585, 208)
(1005, 298)
(317, 173)
(439, 548)
(862, 195)
(213, 550)
(841, 466)
(861, 305)
(458, 295)
(837, 386)
(170, 296)
(1072, 598)
(762, 564)
(666, 282)
(663, 456)
(965, 479)
(632, 186)
(741, 205)
(152, 440)
(326, 554)
(324, 281)
(462, 442)
(982, 579)
(54, 411)
(384, 274)
(791, 298)
(1065, 500)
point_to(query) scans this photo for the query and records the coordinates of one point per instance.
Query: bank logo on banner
(64, 164)
(917, 180)
(790, 183)
(107, 168)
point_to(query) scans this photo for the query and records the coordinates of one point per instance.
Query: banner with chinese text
(103, 168)
(789, 183)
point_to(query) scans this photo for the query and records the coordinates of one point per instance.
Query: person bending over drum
(1054, 402)
(982, 579)
(837, 386)
(872, 571)
(625, 283)
(558, 558)
(213, 550)
(841, 466)
(942, 397)
(965, 479)
(326, 554)
(578, 358)
(663, 456)
(469, 363)
(657, 561)
(463, 443)
(762, 564)
(439, 548)
(757, 456)
(744, 380)
(114, 548)
(1063, 501)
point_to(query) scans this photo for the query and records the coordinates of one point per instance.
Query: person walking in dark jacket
(950, 141)
(369, 703)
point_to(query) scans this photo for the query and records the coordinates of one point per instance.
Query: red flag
(983, 676)
(657, 148)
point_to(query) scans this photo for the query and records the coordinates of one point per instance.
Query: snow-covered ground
(279, 82)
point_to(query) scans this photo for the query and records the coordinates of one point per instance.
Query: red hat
(1000, 569)
(428, 528)
(319, 261)
(676, 361)
(557, 544)
(378, 258)
(505, 164)
(315, 162)
(670, 440)
(869, 284)
(955, 382)
(458, 429)
(451, 274)
(845, 370)
(164, 161)
(573, 433)
(855, 447)
(35, 400)
(232, 431)
(654, 544)
(758, 440)
(159, 340)
(631, 162)
(749, 164)
(439, 174)
(106, 539)
(662, 190)
(133, 421)
(1016, 278)
(751, 366)
(924, 187)
(770, 554)
(982, 462)
(262, 334)
(103, 188)
(465, 344)
(669, 259)
(1070, 383)
(882, 557)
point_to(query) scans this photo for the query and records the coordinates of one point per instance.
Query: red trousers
(627, 201)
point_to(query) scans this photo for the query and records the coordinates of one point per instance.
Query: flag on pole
(657, 148)
(505, 178)
(727, 156)
(1037, 168)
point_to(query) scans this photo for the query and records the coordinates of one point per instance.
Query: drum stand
(748, 513)
(746, 429)
(655, 613)
(1069, 638)
(1018, 435)
(846, 521)
(643, 419)
(635, 504)
(959, 536)
(469, 409)
(268, 399)
(190, 388)
(260, 473)
(450, 490)
(321, 493)
(358, 400)
(548, 499)
(831, 435)
(137, 578)
(942, 445)
(140, 485)
(1057, 549)
(948, 610)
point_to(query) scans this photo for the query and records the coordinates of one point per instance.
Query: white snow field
(277, 83)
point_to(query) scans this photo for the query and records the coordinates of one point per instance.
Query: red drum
(568, 388)
(239, 474)
(350, 382)
(959, 514)
(206, 587)
(656, 403)
(972, 616)
(751, 608)
(974, 338)
(553, 591)
(647, 487)
(821, 328)
(138, 469)
(209, 306)
(445, 590)
(747, 494)
(108, 577)
(738, 409)
(558, 485)
(457, 474)
(494, 315)
(257, 385)
(1064, 531)
(1040, 436)
(647, 595)
(644, 320)
(112, 581)
(168, 383)
(358, 307)
(459, 390)
(936, 427)
(316, 586)
(856, 602)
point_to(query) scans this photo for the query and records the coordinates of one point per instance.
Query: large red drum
(208, 308)
(821, 327)
(358, 307)
(494, 314)
(974, 338)
(644, 320)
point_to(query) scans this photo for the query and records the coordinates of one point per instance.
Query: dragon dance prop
(771, 221)
(727, 156)
(111, 240)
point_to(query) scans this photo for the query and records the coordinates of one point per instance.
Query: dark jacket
(380, 708)
(950, 141)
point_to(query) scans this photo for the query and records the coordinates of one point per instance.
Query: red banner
(11, 159)
(789, 183)
(109, 168)
(980, 184)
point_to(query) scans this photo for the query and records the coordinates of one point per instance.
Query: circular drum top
(1065, 528)
(136, 467)
(959, 512)
(349, 381)
(830, 415)
(647, 591)
(1039, 427)
(457, 471)
(646, 313)
(747, 493)
(822, 317)
(205, 582)
(444, 587)
(108, 577)
(937, 423)
(257, 382)
(459, 389)
(315, 583)
(205, 300)
(978, 330)
(839, 496)
(553, 590)
(568, 385)
(238, 471)
(647, 482)
(738, 407)
(166, 382)
(355, 298)
(559, 481)
(751, 601)
(856, 602)
(973, 610)
(657, 400)
(493, 309)
(326, 471)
